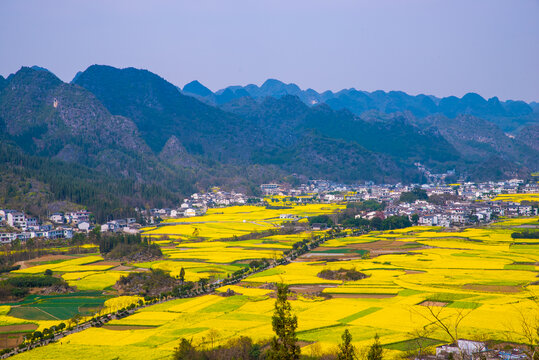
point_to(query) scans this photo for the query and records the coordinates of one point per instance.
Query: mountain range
(113, 139)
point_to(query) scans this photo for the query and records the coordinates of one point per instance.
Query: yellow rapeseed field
(482, 272)
(531, 197)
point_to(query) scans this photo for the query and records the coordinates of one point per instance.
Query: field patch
(359, 314)
(493, 288)
(413, 344)
(57, 307)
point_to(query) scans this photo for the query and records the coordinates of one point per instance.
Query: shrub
(341, 274)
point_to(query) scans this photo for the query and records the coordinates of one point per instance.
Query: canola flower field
(518, 198)
(480, 272)
(201, 257)
(232, 221)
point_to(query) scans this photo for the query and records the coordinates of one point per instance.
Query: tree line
(349, 221)
(526, 234)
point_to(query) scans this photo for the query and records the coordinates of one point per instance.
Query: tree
(412, 196)
(419, 338)
(202, 283)
(185, 350)
(347, 351)
(284, 346)
(213, 336)
(528, 326)
(445, 320)
(95, 235)
(182, 275)
(415, 219)
(376, 352)
(76, 319)
(376, 223)
(48, 272)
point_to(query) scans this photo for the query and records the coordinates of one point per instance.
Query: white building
(68, 233)
(7, 238)
(16, 219)
(467, 347)
(85, 226)
(190, 212)
(57, 218)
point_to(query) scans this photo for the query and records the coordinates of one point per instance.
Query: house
(318, 226)
(54, 234)
(85, 226)
(110, 226)
(514, 354)
(24, 236)
(57, 218)
(47, 227)
(458, 218)
(121, 223)
(78, 217)
(16, 219)
(466, 347)
(68, 233)
(31, 221)
(429, 220)
(190, 212)
(4, 212)
(371, 215)
(7, 238)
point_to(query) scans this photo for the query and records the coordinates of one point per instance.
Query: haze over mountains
(127, 137)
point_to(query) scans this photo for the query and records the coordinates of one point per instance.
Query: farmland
(233, 221)
(201, 256)
(519, 198)
(481, 273)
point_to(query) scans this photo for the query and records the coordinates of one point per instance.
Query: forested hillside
(61, 136)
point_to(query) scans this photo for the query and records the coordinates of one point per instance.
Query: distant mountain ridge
(508, 115)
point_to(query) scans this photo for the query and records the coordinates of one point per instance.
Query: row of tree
(526, 234)
(349, 220)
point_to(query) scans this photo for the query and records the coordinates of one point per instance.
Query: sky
(433, 47)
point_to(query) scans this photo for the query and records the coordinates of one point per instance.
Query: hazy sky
(419, 46)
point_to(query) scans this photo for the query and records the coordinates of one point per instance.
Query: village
(446, 205)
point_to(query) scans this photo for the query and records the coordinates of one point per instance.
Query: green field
(58, 307)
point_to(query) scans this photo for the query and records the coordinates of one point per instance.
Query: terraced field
(481, 273)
